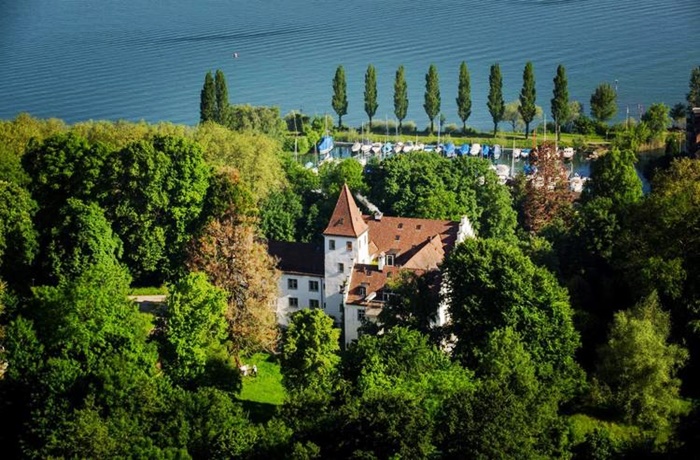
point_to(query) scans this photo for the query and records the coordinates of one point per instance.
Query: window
(348, 246)
(341, 268)
(390, 260)
(313, 303)
(313, 286)
(361, 314)
(397, 237)
(331, 244)
(362, 290)
(400, 225)
(386, 296)
(292, 283)
(419, 226)
(293, 302)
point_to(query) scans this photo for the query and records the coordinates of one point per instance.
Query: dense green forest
(574, 319)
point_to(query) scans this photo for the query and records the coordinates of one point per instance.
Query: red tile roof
(412, 240)
(346, 219)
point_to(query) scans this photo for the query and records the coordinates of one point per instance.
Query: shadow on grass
(259, 412)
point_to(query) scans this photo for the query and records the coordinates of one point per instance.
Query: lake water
(135, 59)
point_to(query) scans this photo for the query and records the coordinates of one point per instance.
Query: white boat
(418, 146)
(398, 147)
(356, 147)
(568, 152)
(503, 170)
(576, 183)
(496, 151)
(516, 153)
(475, 149)
(366, 146)
(376, 148)
(408, 147)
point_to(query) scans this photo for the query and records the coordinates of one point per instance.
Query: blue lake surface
(135, 59)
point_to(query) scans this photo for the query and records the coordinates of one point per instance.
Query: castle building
(347, 277)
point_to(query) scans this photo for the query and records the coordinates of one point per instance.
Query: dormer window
(419, 226)
(400, 225)
(397, 238)
(390, 259)
(362, 291)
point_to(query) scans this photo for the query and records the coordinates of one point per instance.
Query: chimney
(382, 261)
(377, 216)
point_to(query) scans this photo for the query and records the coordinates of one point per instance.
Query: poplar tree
(340, 95)
(694, 88)
(496, 104)
(432, 94)
(560, 101)
(371, 93)
(207, 100)
(400, 96)
(464, 100)
(528, 97)
(222, 104)
(604, 102)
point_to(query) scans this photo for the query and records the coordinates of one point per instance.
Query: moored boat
(325, 145)
(485, 150)
(449, 150)
(475, 149)
(496, 151)
(568, 152)
(356, 147)
(525, 153)
(516, 153)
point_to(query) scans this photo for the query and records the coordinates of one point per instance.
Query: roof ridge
(346, 219)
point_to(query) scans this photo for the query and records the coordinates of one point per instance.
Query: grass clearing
(262, 395)
(148, 290)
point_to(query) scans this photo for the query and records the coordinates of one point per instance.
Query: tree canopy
(432, 94)
(400, 95)
(495, 102)
(340, 97)
(603, 102)
(528, 97)
(371, 103)
(464, 98)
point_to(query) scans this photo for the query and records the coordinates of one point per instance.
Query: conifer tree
(371, 93)
(464, 100)
(340, 96)
(496, 104)
(694, 88)
(207, 102)
(222, 104)
(604, 102)
(432, 94)
(560, 101)
(400, 96)
(528, 96)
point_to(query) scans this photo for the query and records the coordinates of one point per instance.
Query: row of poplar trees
(496, 104)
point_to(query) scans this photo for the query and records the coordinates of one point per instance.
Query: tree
(18, 238)
(693, 96)
(490, 284)
(678, 113)
(413, 302)
(340, 96)
(495, 102)
(279, 215)
(400, 96)
(613, 176)
(237, 262)
(511, 414)
(222, 102)
(511, 114)
(310, 349)
(371, 93)
(638, 365)
(432, 94)
(560, 100)
(334, 174)
(547, 195)
(464, 99)
(527, 97)
(207, 100)
(81, 238)
(155, 194)
(657, 118)
(604, 102)
(194, 335)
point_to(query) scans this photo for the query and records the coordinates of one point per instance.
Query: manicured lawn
(262, 394)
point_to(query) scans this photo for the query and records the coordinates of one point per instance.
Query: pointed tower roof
(346, 219)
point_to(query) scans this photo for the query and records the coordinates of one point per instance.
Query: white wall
(351, 323)
(301, 292)
(334, 278)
